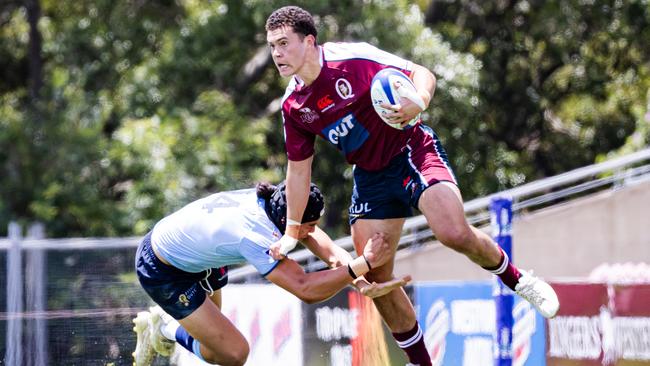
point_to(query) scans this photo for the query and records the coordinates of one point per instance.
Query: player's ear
(311, 40)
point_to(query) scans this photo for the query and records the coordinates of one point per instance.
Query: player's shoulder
(339, 51)
(335, 53)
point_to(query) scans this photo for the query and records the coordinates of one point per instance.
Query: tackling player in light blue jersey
(222, 229)
(182, 265)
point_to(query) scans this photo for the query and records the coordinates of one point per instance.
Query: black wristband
(351, 272)
(368, 263)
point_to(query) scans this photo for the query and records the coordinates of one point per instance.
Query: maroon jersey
(337, 107)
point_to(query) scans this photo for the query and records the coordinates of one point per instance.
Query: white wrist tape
(411, 95)
(292, 222)
(287, 243)
(359, 266)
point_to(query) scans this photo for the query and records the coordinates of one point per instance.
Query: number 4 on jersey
(220, 201)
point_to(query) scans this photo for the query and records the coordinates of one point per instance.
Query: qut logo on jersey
(344, 126)
(346, 134)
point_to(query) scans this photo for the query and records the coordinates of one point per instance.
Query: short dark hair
(297, 18)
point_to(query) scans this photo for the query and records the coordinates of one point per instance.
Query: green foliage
(562, 82)
(187, 153)
(148, 105)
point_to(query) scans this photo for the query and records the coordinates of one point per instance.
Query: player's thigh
(216, 298)
(214, 331)
(364, 229)
(443, 208)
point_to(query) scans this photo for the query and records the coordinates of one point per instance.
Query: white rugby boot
(144, 352)
(159, 318)
(539, 293)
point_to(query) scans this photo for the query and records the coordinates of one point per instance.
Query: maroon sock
(506, 271)
(412, 342)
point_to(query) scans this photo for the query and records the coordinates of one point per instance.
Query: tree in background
(113, 114)
(143, 106)
(55, 150)
(563, 83)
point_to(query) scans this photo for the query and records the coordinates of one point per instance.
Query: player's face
(306, 229)
(288, 49)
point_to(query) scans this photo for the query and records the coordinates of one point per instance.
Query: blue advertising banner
(459, 321)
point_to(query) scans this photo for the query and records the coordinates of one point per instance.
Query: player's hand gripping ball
(384, 91)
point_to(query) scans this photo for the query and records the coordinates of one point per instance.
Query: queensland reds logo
(307, 115)
(344, 89)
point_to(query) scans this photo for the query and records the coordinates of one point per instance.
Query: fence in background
(68, 302)
(67, 298)
(611, 174)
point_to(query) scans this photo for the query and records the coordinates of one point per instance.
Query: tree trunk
(35, 43)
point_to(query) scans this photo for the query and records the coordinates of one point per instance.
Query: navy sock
(188, 342)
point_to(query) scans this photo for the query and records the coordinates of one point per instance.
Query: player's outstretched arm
(324, 248)
(319, 286)
(309, 287)
(373, 290)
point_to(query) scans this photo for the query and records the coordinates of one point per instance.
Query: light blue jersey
(219, 230)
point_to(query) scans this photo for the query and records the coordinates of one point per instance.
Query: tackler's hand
(287, 242)
(375, 289)
(377, 251)
(280, 248)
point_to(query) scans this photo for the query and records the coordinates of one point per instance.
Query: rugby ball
(384, 91)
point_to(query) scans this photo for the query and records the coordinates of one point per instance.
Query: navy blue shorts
(390, 193)
(179, 293)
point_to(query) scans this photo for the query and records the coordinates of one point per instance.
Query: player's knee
(460, 239)
(235, 356)
(240, 355)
